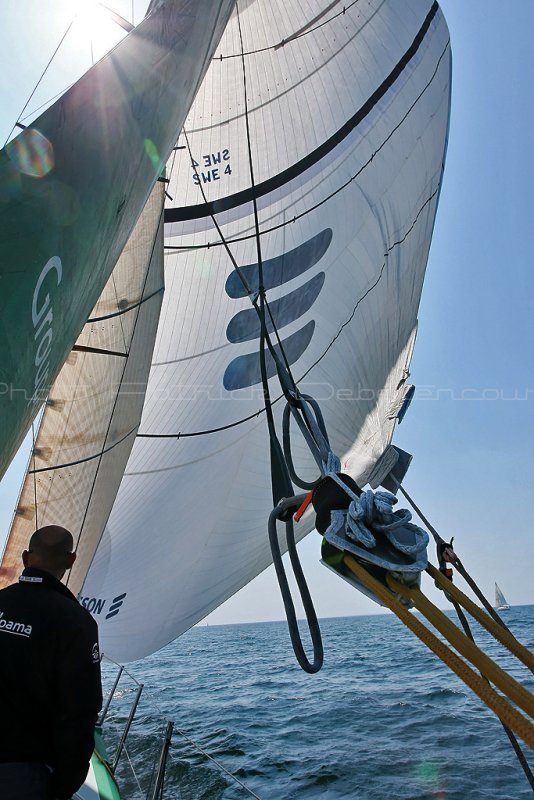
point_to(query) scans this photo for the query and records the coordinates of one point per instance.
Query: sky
(470, 426)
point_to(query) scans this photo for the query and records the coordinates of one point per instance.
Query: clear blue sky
(471, 424)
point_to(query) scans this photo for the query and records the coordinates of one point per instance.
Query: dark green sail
(73, 185)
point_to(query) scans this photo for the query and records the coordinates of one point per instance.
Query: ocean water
(384, 718)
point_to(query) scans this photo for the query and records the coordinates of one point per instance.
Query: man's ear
(71, 559)
(25, 557)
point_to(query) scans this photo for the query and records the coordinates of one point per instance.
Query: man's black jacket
(50, 689)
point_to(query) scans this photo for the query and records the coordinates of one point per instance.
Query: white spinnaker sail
(348, 109)
(94, 407)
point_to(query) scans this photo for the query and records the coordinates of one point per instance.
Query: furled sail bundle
(316, 145)
(72, 186)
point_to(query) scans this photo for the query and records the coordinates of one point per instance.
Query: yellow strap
(501, 634)
(465, 646)
(504, 710)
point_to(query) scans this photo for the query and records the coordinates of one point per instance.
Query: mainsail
(72, 186)
(316, 145)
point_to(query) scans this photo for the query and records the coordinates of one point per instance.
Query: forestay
(347, 107)
(72, 186)
(93, 411)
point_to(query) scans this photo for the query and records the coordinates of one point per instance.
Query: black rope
(280, 479)
(82, 460)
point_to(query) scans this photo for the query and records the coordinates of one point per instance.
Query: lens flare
(152, 152)
(31, 153)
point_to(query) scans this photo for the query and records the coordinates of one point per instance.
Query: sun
(98, 25)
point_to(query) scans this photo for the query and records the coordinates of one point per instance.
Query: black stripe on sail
(184, 213)
(246, 324)
(281, 269)
(245, 371)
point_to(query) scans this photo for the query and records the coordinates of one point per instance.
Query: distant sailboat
(500, 600)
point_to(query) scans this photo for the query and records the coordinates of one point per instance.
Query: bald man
(50, 689)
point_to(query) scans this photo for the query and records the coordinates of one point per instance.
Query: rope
(311, 617)
(507, 713)
(218, 763)
(133, 770)
(25, 106)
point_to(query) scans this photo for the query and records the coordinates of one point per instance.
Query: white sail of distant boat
(501, 603)
(315, 144)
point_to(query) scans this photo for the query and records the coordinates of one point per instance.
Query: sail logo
(115, 606)
(17, 628)
(42, 318)
(97, 605)
(245, 370)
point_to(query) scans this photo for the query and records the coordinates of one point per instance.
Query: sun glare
(94, 23)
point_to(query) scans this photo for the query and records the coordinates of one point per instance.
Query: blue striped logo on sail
(244, 370)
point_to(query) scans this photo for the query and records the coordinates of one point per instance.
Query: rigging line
(510, 687)
(184, 735)
(457, 564)
(281, 485)
(319, 359)
(134, 330)
(129, 308)
(261, 288)
(134, 773)
(500, 633)
(41, 78)
(237, 268)
(180, 435)
(83, 460)
(302, 32)
(46, 103)
(218, 763)
(224, 241)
